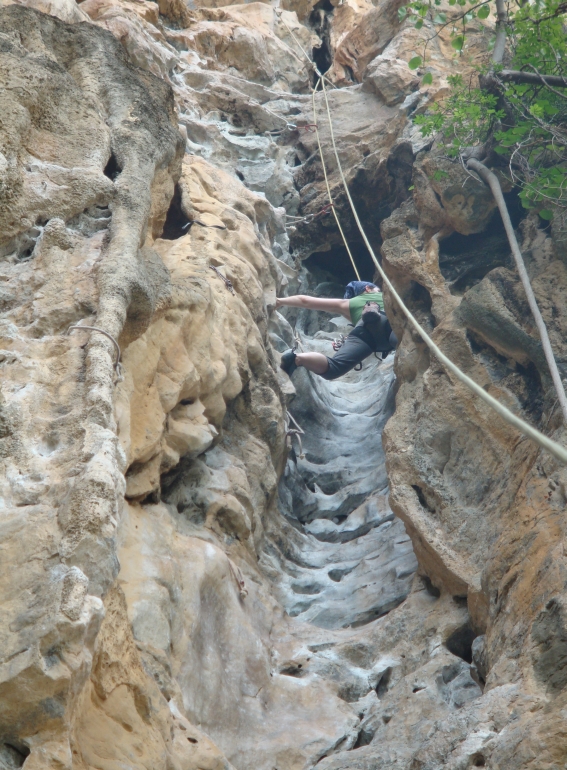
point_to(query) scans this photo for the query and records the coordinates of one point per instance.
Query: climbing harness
(554, 448)
(239, 577)
(117, 365)
(227, 282)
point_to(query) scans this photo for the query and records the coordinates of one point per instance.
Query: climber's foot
(287, 362)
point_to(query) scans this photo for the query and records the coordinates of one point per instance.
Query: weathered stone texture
(182, 586)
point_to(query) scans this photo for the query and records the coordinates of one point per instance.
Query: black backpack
(377, 326)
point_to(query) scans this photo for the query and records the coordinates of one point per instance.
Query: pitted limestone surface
(338, 655)
(345, 559)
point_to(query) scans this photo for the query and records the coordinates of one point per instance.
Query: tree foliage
(525, 123)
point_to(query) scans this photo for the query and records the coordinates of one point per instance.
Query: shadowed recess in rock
(347, 560)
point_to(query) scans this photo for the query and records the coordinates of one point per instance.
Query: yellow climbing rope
(328, 185)
(553, 447)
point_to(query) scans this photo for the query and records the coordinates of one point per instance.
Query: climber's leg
(314, 362)
(352, 353)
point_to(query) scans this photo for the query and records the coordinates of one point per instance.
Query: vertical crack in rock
(178, 589)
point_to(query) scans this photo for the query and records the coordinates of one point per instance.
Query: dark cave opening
(337, 262)
(13, 754)
(176, 222)
(112, 168)
(320, 21)
(524, 381)
(464, 260)
(460, 642)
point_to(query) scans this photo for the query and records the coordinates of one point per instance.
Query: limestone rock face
(205, 565)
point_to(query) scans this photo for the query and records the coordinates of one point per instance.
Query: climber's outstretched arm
(340, 306)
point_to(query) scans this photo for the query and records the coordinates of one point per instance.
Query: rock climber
(363, 306)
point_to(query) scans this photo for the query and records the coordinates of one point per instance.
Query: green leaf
(419, 24)
(427, 79)
(458, 42)
(411, 187)
(414, 63)
(440, 18)
(402, 13)
(483, 12)
(546, 214)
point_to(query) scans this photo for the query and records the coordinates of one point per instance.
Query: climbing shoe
(287, 362)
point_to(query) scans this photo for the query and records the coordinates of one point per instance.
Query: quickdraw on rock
(227, 282)
(291, 431)
(117, 365)
(338, 342)
(239, 577)
(308, 218)
(202, 224)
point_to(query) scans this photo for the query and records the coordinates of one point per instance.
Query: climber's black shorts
(354, 350)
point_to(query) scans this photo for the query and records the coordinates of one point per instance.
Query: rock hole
(418, 688)
(292, 669)
(176, 222)
(307, 588)
(13, 754)
(112, 169)
(386, 718)
(364, 738)
(26, 254)
(192, 740)
(297, 161)
(460, 642)
(478, 761)
(421, 299)
(338, 574)
(430, 588)
(383, 682)
(187, 401)
(240, 175)
(337, 262)
(460, 601)
(422, 499)
(464, 260)
(349, 73)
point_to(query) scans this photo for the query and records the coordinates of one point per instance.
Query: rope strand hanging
(557, 450)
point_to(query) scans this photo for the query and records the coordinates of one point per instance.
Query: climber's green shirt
(356, 304)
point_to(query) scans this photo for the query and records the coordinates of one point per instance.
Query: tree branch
(532, 78)
(492, 181)
(500, 43)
